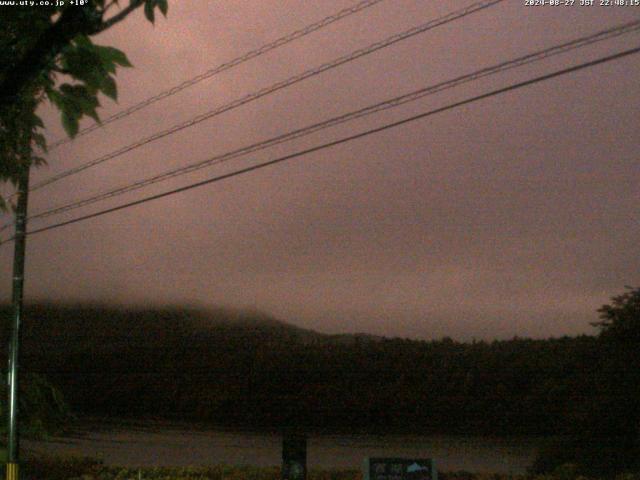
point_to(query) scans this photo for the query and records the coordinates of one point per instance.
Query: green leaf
(70, 123)
(37, 121)
(85, 64)
(38, 161)
(76, 101)
(70, 107)
(40, 141)
(55, 98)
(110, 55)
(83, 41)
(163, 5)
(79, 98)
(109, 88)
(148, 10)
(94, 115)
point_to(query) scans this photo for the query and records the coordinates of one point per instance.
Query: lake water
(184, 446)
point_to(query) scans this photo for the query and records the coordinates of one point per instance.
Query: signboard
(294, 457)
(400, 469)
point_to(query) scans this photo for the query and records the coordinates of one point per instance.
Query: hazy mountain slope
(49, 328)
(248, 369)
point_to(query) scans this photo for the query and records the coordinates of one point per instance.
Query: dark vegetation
(247, 370)
(72, 468)
(77, 468)
(42, 406)
(251, 371)
(41, 50)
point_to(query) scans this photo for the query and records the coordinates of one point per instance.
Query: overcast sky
(516, 215)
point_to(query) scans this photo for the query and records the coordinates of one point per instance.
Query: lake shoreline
(96, 423)
(137, 443)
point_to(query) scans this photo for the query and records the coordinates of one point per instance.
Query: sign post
(400, 469)
(294, 456)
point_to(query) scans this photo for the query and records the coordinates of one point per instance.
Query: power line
(225, 66)
(602, 35)
(366, 133)
(275, 87)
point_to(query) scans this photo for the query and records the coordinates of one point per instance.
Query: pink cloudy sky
(516, 215)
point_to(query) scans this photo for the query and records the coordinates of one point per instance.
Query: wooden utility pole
(20, 243)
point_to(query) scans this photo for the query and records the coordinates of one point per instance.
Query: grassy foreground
(76, 468)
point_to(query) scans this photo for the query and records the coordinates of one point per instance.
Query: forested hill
(250, 370)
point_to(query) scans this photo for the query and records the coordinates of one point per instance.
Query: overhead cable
(274, 88)
(342, 140)
(224, 66)
(600, 36)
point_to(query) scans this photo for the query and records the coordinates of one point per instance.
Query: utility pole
(14, 346)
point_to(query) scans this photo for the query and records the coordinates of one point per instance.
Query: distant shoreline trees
(234, 370)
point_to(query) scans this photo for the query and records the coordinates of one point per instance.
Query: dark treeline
(247, 370)
(250, 371)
